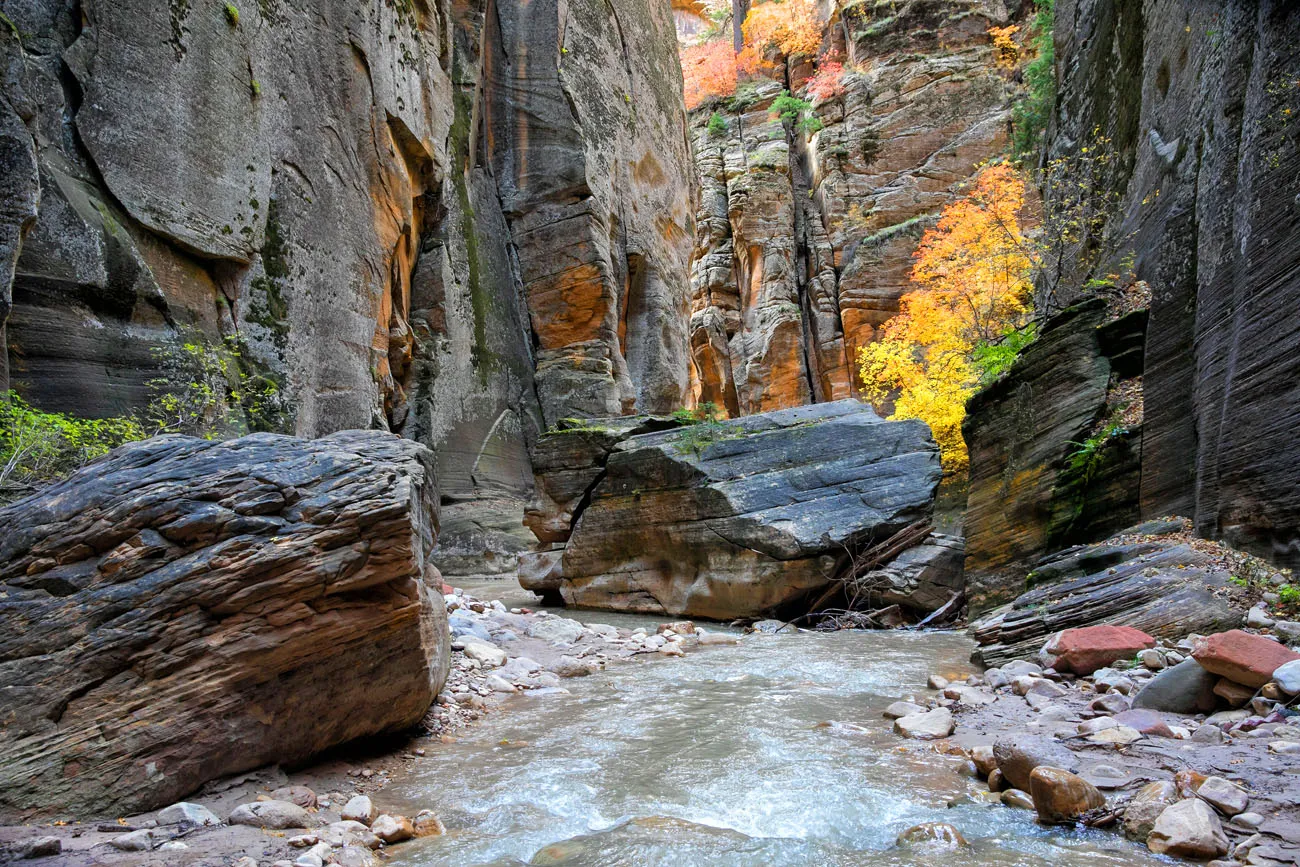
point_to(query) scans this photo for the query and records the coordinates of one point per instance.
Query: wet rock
(937, 835)
(1016, 798)
(1188, 781)
(1087, 649)
(355, 856)
(901, 709)
(927, 725)
(771, 627)
(359, 808)
(1226, 797)
(984, 760)
(426, 824)
(187, 814)
(937, 681)
(571, 666)
(717, 638)
(204, 557)
(1185, 688)
(133, 841)
(497, 683)
(1061, 797)
(392, 829)
(1146, 806)
(997, 781)
(1017, 758)
(1246, 659)
(1188, 829)
(274, 815)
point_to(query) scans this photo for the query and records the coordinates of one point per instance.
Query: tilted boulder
(731, 519)
(1242, 658)
(184, 609)
(1084, 650)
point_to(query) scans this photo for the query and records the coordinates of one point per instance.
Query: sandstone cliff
(804, 243)
(1199, 108)
(459, 220)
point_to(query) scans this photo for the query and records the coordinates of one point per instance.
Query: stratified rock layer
(734, 518)
(184, 609)
(1198, 103)
(1163, 588)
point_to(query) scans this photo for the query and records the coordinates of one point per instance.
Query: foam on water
(718, 758)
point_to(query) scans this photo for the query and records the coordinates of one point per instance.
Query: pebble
(359, 809)
(1061, 797)
(937, 681)
(1188, 829)
(1225, 796)
(1017, 798)
(926, 725)
(185, 813)
(392, 829)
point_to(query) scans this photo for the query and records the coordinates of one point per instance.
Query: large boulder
(1084, 650)
(923, 578)
(1242, 657)
(1017, 758)
(183, 609)
(1185, 688)
(1163, 587)
(731, 519)
(1188, 829)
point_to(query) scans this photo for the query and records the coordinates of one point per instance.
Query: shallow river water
(718, 758)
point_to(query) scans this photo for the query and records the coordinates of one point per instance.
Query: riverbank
(1241, 766)
(499, 654)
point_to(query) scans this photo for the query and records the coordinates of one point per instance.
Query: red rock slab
(1089, 648)
(1241, 657)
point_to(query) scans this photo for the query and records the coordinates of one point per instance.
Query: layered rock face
(730, 519)
(1029, 493)
(185, 609)
(1201, 105)
(454, 219)
(1165, 588)
(804, 243)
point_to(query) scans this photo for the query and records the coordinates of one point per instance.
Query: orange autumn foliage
(708, 71)
(789, 27)
(974, 271)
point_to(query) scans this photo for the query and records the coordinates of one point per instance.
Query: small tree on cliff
(977, 294)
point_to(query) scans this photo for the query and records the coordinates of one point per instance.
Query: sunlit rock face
(804, 242)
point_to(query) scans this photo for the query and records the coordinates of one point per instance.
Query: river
(723, 758)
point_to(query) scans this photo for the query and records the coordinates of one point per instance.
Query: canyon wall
(804, 242)
(460, 221)
(1199, 108)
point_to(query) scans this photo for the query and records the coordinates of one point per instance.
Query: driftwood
(848, 580)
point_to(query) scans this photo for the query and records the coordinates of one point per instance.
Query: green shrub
(38, 448)
(789, 107)
(1031, 113)
(1090, 455)
(717, 124)
(209, 389)
(232, 14)
(994, 359)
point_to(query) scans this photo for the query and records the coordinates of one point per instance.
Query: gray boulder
(274, 815)
(922, 578)
(240, 603)
(731, 519)
(1186, 688)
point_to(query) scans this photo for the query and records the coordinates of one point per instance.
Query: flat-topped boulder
(735, 518)
(184, 609)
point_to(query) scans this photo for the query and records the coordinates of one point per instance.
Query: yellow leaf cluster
(788, 26)
(1005, 45)
(973, 271)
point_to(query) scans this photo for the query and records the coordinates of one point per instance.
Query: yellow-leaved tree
(967, 320)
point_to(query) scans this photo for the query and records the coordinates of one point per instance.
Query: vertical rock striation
(461, 220)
